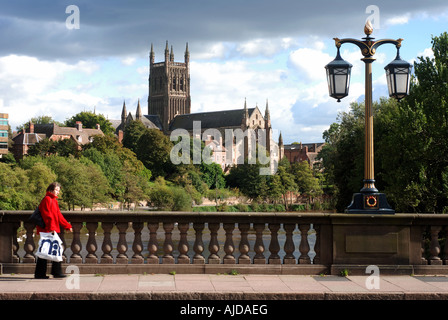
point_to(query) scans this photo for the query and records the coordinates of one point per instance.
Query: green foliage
(212, 175)
(45, 147)
(169, 198)
(153, 150)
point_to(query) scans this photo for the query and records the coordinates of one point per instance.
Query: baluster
(316, 259)
(289, 244)
(274, 246)
(434, 259)
(152, 244)
(91, 243)
(244, 246)
(445, 251)
(15, 243)
(29, 246)
(229, 246)
(122, 245)
(259, 246)
(424, 261)
(107, 258)
(137, 245)
(168, 243)
(183, 244)
(76, 245)
(304, 246)
(198, 246)
(213, 247)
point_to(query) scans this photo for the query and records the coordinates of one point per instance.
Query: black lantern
(338, 77)
(398, 74)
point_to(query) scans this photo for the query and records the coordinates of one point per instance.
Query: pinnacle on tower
(151, 55)
(139, 114)
(267, 115)
(123, 112)
(167, 52)
(187, 54)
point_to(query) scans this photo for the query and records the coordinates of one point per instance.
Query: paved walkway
(225, 296)
(219, 287)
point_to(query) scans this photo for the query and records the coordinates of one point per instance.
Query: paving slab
(222, 287)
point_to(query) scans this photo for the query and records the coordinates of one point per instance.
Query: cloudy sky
(256, 50)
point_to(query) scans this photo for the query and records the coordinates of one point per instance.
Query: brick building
(298, 152)
(37, 132)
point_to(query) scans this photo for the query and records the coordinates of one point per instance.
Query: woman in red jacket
(53, 218)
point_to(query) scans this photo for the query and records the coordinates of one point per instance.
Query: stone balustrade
(281, 242)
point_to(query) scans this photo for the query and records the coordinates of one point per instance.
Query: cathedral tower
(169, 87)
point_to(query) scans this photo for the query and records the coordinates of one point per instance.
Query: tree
(286, 183)
(39, 178)
(153, 150)
(304, 178)
(62, 147)
(133, 132)
(83, 184)
(212, 175)
(246, 177)
(112, 169)
(415, 153)
(13, 191)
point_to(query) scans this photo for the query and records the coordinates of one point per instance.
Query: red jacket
(51, 214)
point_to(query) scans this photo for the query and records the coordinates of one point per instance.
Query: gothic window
(160, 86)
(181, 84)
(174, 83)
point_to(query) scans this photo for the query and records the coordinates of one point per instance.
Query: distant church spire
(245, 120)
(267, 115)
(124, 113)
(139, 114)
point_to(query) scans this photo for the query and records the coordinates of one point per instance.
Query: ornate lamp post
(369, 200)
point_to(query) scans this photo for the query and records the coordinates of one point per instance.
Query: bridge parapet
(243, 242)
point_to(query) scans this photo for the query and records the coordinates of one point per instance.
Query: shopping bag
(36, 218)
(50, 247)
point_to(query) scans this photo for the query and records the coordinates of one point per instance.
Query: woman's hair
(53, 186)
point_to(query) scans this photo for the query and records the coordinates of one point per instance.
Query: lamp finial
(368, 28)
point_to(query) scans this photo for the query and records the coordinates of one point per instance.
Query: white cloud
(264, 47)
(398, 20)
(310, 61)
(30, 87)
(128, 61)
(217, 50)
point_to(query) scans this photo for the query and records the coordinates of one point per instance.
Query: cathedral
(169, 109)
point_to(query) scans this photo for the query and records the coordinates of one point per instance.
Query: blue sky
(254, 50)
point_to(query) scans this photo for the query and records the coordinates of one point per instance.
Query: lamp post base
(368, 203)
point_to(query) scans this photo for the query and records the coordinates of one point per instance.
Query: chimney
(78, 125)
(120, 136)
(31, 127)
(98, 126)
